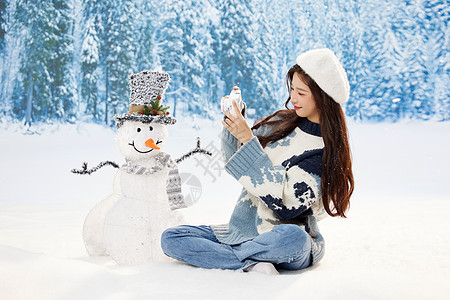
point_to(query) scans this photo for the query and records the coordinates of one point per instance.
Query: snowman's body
(128, 224)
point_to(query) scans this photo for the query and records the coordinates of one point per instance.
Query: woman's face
(303, 100)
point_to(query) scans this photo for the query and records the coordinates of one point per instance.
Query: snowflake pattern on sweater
(281, 185)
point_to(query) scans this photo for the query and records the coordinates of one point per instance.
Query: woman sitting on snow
(294, 165)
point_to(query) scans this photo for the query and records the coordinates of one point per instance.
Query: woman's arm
(232, 139)
(230, 144)
(289, 189)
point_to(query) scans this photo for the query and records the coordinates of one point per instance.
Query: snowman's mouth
(132, 144)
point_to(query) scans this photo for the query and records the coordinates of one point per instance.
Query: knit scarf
(173, 183)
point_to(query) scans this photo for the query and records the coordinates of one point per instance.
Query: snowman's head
(138, 140)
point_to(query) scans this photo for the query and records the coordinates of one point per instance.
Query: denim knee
(167, 240)
(177, 240)
(294, 236)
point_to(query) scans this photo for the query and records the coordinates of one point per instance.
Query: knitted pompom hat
(326, 70)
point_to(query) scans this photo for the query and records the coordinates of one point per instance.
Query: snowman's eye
(151, 128)
(138, 130)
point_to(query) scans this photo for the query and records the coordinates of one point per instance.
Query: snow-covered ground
(395, 243)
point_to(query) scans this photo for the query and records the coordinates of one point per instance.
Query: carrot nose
(151, 144)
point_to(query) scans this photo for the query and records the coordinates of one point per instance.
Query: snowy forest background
(68, 60)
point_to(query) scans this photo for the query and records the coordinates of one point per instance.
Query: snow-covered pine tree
(91, 103)
(44, 60)
(310, 24)
(11, 89)
(3, 11)
(170, 51)
(436, 29)
(33, 17)
(2, 24)
(361, 62)
(415, 78)
(190, 15)
(116, 54)
(352, 52)
(62, 85)
(213, 88)
(78, 32)
(265, 80)
(390, 88)
(207, 77)
(285, 25)
(89, 64)
(344, 37)
(380, 91)
(145, 22)
(298, 27)
(237, 46)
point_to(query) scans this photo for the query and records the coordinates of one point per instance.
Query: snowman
(127, 225)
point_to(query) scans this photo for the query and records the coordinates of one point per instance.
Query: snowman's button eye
(151, 128)
(138, 130)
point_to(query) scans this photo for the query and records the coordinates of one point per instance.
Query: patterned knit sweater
(281, 185)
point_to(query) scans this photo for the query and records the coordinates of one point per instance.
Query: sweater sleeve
(289, 189)
(230, 144)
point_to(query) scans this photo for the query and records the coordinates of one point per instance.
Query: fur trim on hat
(165, 120)
(324, 68)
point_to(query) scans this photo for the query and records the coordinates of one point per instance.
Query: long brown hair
(337, 177)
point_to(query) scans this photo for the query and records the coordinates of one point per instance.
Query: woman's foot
(263, 267)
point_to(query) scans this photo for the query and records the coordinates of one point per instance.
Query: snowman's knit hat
(146, 87)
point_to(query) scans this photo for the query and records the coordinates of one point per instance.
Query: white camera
(227, 102)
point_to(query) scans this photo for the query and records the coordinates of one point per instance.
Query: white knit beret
(326, 70)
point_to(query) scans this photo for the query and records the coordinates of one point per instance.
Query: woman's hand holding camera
(236, 124)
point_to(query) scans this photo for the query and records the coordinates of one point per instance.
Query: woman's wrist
(247, 138)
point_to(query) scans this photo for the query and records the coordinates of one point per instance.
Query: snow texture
(393, 245)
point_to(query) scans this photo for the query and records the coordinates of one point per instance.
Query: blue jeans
(287, 246)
